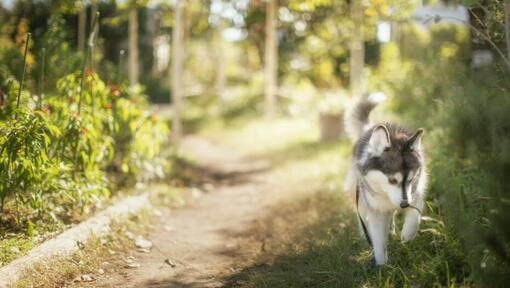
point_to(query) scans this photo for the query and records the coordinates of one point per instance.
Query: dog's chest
(376, 201)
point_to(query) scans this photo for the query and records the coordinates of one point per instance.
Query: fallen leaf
(170, 263)
(80, 245)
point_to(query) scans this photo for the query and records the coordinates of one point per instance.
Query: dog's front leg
(393, 225)
(378, 226)
(411, 222)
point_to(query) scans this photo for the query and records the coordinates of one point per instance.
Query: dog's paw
(374, 264)
(408, 234)
(411, 225)
(407, 237)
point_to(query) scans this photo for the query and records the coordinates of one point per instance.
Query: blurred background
(442, 65)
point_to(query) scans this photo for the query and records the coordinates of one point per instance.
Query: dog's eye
(392, 180)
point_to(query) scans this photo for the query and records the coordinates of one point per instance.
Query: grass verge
(96, 257)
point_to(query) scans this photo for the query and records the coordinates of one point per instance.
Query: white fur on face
(379, 183)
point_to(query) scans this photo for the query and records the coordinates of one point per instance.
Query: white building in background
(427, 15)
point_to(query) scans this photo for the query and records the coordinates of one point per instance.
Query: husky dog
(388, 173)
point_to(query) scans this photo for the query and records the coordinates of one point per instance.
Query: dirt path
(213, 236)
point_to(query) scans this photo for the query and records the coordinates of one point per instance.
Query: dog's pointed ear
(414, 142)
(380, 139)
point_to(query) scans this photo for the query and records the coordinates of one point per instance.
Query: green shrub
(467, 115)
(24, 163)
(79, 146)
(471, 161)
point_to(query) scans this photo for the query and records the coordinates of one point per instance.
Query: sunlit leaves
(23, 154)
(308, 5)
(57, 156)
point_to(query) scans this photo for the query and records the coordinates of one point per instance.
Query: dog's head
(392, 162)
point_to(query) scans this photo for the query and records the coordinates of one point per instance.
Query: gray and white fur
(389, 171)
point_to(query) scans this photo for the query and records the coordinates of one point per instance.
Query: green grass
(322, 247)
(329, 252)
(17, 239)
(14, 247)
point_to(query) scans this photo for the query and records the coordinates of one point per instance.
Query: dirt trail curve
(213, 236)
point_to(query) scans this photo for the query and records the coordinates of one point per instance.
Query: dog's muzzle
(404, 204)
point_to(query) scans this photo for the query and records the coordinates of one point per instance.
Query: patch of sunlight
(260, 135)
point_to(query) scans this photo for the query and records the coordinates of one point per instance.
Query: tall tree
(93, 29)
(357, 49)
(220, 60)
(82, 21)
(271, 58)
(177, 70)
(507, 32)
(133, 62)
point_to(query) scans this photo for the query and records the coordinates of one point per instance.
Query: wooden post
(357, 50)
(133, 47)
(176, 71)
(271, 59)
(220, 61)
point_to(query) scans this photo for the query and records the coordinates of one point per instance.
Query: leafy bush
(24, 163)
(472, 181)
(467, 115)
(78, 145)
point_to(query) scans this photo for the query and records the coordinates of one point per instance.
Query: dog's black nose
(404, 204)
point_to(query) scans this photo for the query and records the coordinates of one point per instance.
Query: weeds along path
(220, 232)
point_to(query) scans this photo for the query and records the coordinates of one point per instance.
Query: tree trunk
(133, 47)
(271, 58)
(93, 15)
(176, 71)
(357, 50)
(507, 33)
(82, 20)
(220, 62)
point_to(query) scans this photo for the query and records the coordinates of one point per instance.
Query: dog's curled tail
(356, 116)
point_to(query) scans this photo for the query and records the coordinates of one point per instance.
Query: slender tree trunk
(93, 15)
(507, 32)
(133, 47)
(271, 58)
(177, 70)
(220, 62)
(82, 22)
(357, 50)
